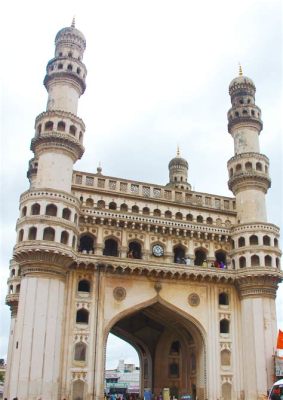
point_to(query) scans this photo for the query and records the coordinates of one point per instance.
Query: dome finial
(240, 70)
(73, 25)
(178, 151)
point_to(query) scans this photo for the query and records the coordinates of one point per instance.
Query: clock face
(157, 250)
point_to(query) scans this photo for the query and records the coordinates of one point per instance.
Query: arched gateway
(170, 344)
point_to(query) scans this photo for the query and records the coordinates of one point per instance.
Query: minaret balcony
(248, 162)
(243, 180)
(66, 76)
(246, 115)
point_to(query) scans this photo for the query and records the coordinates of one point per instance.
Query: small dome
(239, 82)
(70, 33)
(178, 161)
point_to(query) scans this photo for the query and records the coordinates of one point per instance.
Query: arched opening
(61, 126)
(157, 213)
(21, 235)
(82, 316)
(35, 209)
(179, 216)
(223, 299)
(48, 126)
(179, 255)
(168, 214)
(226, 391)
(110, 248)
(86, 243)
(242, 262)
(66, 213)
(101, 204)
(220, 259)
(224, 326)
(49, 234)
(124, 207)
(112, 206)
(275, 242)
(248, 166)
(64, 237)
(134, 250)
(72, 130)
(80, 351)
(78, 390)
(253, 240)
(51, 210)
(199, 219)
(200, 256)
(268, 261)
(241, 242)
(225, 358)
(24, 211)
(32, 233)
(209, 221)
(135, 209)
(89, 202)
(254, 261)
(266, 240)
(258, 166)
(189, 217)
(84, 286)
(145, 211)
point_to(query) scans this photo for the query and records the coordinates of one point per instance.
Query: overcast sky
(158, 77)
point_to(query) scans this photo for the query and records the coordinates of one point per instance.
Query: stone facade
(188, 278)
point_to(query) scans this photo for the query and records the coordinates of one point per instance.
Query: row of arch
(253, 240)
(50, 210)
(244, 113)
(70, 67)
(248, 166)
(254, 261)
(47, 234)
(60, 127)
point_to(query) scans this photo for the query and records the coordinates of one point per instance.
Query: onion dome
(178, 161)
(241, 85)
(70, 35)
(178, 172)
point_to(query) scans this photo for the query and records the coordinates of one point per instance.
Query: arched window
(266, 240)
(81, 137)
(60, 66)
(220, 258)
(49, 234)
(248, 166)
(189, 217)
(277, 262)
(238, 167)
(110, 248)
(101, 204)
(86, 243)
(209, 221)
(268, 261)
(61, 126)
(168, 214)
(80, 351)
(145, 211)
(24, 211)
(72, 130)
(275, 242)
(66, 213)
(35, 209)
(78, 390)
(179, 216)
(199, 219)
(82, 316)
(241, 242)
(258, 166)
(253, 240)
(157, 213)
(255, 261)
(18, 288)
(124, 207)
(225, 357)
(78, 71)
(134, 250)
(32, 233)
(74, 242)
(135, 209)
(21, 235)
(200, 257)
(84, 286)
(70, 67)
(64, 237)
(179, 255)
(233, 264)
(112, 206)
(51, 210)
(48, 126)
(242, 262)
(174, 370)
(89, 202)
(224, 326)
(13, 272)
(39, 128)
(175, 348)
(223, 299)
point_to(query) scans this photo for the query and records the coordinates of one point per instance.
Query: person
(130, 254)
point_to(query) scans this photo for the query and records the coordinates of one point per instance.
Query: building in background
(188, 278)
(125, 379)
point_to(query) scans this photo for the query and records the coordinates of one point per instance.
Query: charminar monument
(189, 279)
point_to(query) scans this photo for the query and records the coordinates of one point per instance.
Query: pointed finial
(73, 23)
(240, 70)
(99, 169)
(178, 151)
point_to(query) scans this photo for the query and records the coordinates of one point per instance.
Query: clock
(157, 250)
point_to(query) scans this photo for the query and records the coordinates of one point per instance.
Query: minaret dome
(178, 172)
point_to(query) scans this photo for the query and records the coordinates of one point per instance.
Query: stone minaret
(178, 172)
(47, 230)
(255, 251)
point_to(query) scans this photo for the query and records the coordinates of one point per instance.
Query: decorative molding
(119, 293)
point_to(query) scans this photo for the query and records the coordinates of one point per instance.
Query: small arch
(225, 357)
(189, 217)
(242, 262)
(18, 288)
(241, 242)
(134, 250)
(179, 254)
(237, 114)
(275, 242)
(35, 209)
(32, 233)
(253, 113)
(174, 370)
(51, 210)
(81, 137)
(253, 240)
(82, 316)
(254, 260)
(70, 67)
(135, 209)
(70, 54)
(268, 261)
(258, 166)
(79, 390)
(48, 126)
(86, 243)
(145, 211)
(24, 211)
(78, 71)
(157, 212)
(61, 126)
(220, 259)
(21, 235)
(248, 166)
(110, 248)
(74, 242)
(223, 299)
(101, 204)
(209, 221)
(124, 207)
(179, 216)
(60, 66)
(266, 240)
(49, 234)
(226, 391)
(224, 326)
(72, 130)
(66, 213)
(233, 264)
(277, 261)
(175, 348)
(80, 351)
(39, 128)
(11, 289)
(84, 286)
(89, 202)
(13, 272)
(245, 112)
(200, 256)
(238, 167)
(64, 237)
(112, 206)
(199, 219)
(168, 214)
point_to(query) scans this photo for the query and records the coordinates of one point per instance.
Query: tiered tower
(47, 228)
(255, 251)
(178, 172)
